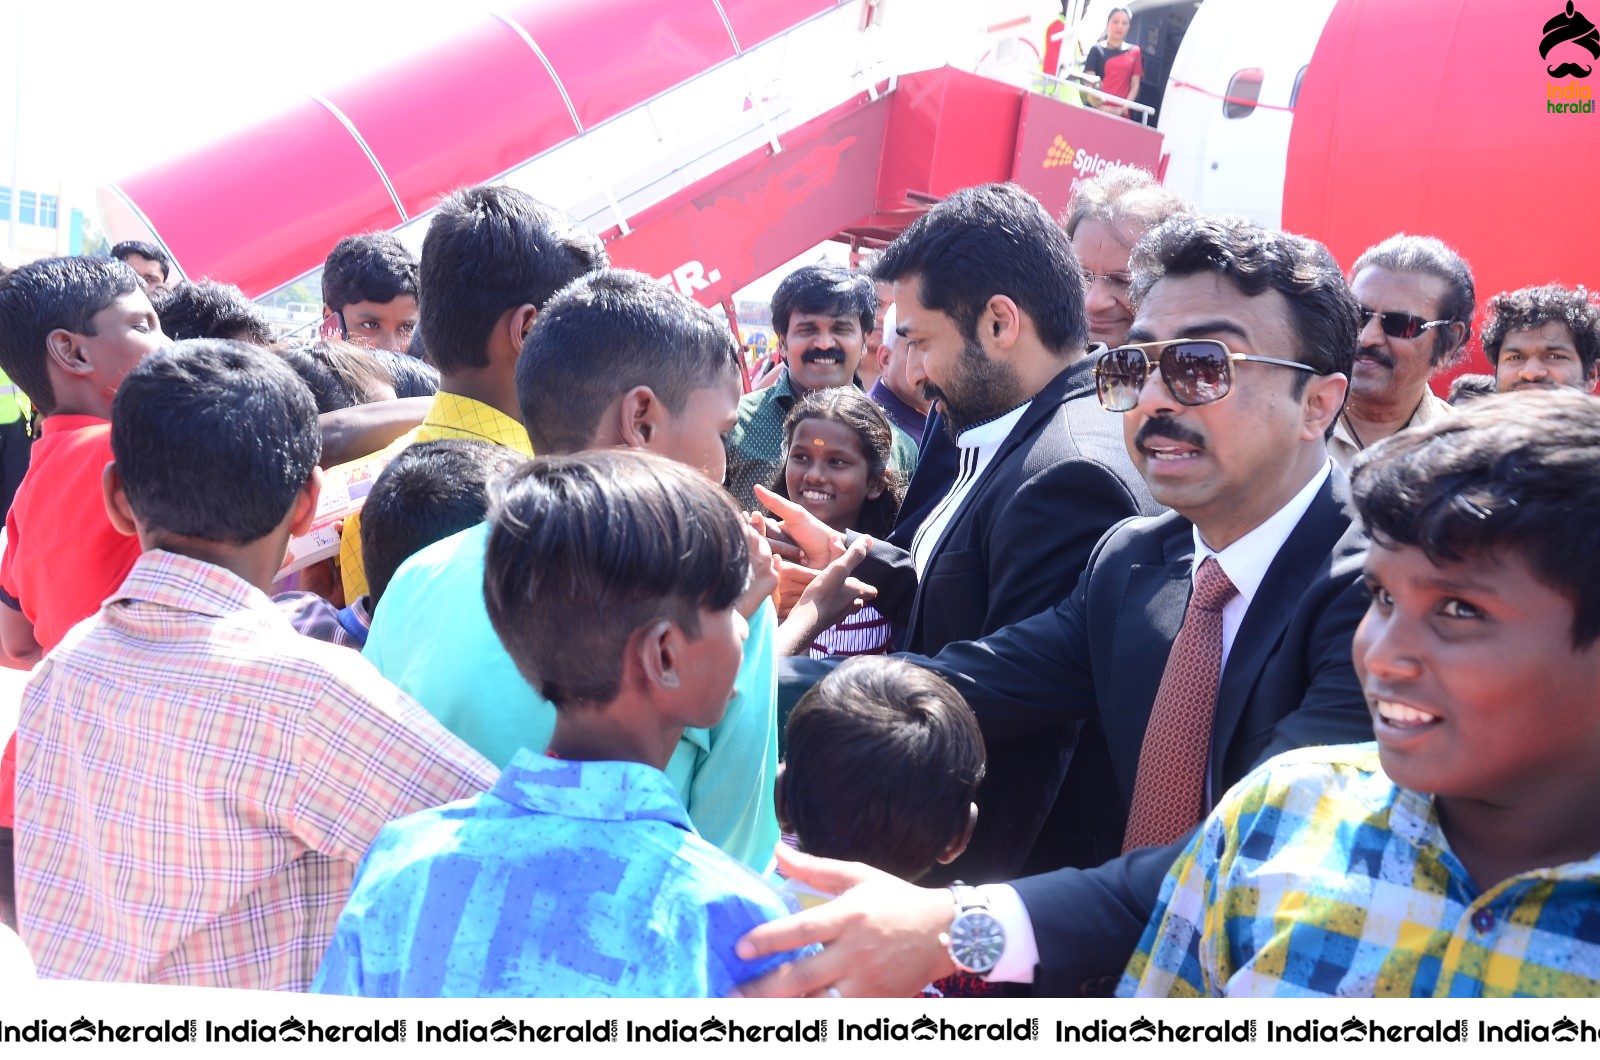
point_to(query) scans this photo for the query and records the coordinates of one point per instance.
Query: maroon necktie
(1169, 794)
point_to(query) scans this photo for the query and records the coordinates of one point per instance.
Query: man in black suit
(1235, 442)
(992, 318)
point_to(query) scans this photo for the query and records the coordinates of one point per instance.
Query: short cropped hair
(990, 240)
(1323, 312)
(429, 491)
(1530, 308)
(1431, 257)
(1514, 472)
(607, 333)
(214, 440)
(884, 759)
(209, 310)
(831, 290)
(1122, 197)
(47, 294)
(372, 267)
(490, 249)
(128, 247)
(1471, 386)
(339, 374)
(584, 550)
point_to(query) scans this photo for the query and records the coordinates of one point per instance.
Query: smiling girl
(837, 466)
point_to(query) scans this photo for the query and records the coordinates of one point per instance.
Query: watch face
(976, 941)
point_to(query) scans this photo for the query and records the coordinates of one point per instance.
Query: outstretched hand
(882, 937)
(763, 569)
(802, 537)
(828, 598)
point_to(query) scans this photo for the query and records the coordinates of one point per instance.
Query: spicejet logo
(1082, 162)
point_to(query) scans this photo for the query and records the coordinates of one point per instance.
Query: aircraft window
(1294, 93)
(1243, 91)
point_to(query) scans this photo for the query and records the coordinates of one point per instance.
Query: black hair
(586, 549)
(1428, 256)
(849, 407)
(1471, 386)
(990, 240)
(488, 250)
(609, 332)
(213, 440)
(209, 310)
(1122, 197)
(429, 491)
(1530, 308)
(884, 760)
(47, 294)
(831, 290)
(128, 247)
(1514, 472)
(339, 374)
(372, 267)
(1323, 312)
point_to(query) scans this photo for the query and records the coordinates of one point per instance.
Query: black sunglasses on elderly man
(1400, 325)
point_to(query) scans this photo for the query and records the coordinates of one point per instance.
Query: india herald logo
(1570, 26)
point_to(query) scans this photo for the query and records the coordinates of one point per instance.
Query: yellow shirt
(451, 416)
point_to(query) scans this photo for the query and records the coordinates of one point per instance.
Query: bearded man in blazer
(990, 307)
(1245, 468)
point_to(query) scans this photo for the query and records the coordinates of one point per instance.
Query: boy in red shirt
(70, 329)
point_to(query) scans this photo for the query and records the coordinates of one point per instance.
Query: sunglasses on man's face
(1400, 325)
(1195, 371)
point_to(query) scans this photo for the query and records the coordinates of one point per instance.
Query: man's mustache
(1162, 428)
(1569, 70)
(812, 356)
(1377, 355)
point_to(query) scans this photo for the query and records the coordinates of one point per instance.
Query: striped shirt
(1317, 876)
(196, 783)
(864, 633)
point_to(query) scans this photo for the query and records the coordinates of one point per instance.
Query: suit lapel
(1044, 405)
(1307, 550)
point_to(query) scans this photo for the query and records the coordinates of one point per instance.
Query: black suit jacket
(1288, 683)
(1058, 482)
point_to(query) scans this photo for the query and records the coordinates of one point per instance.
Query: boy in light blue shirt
(611, 578)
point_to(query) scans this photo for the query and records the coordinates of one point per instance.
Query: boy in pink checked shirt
(196, 781)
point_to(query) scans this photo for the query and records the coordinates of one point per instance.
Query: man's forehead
(843, 316)
(1544, 333)
(1210, 305)
(1388, 291)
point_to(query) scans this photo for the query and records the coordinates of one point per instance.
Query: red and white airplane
(709, 141)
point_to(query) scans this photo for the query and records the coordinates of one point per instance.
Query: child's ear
(875, 489)
(660, 648)
(642, 416)
(304, 509)
(778, 802)
(956, 848)
(66, 353)
(117, 509)
(519, 322)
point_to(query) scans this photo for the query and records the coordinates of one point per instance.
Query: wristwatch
(976, 938)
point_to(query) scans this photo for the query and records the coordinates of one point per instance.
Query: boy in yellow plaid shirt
(1456, 857)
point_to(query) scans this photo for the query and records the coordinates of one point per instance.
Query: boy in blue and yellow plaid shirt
(1456, 857)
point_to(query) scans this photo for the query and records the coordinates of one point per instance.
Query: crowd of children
(521, 738)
